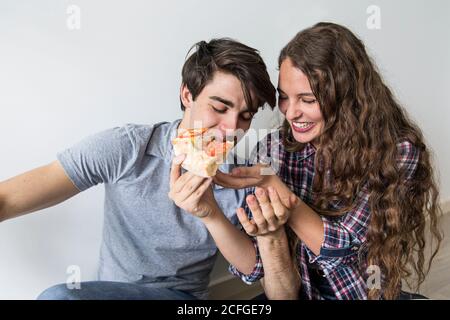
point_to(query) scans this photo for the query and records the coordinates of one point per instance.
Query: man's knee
(59, 292)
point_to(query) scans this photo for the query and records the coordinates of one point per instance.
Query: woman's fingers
(243, 177)
(226, 180)
(234, 182)
(248, 225)
(255, 171)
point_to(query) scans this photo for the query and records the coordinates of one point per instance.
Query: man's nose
(230, 123)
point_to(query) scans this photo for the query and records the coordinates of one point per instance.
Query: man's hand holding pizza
(191, 192)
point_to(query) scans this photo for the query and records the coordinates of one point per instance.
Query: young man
(151, 247)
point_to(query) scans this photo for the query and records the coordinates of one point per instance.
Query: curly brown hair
(358, 146)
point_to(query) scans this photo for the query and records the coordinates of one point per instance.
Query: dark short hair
(235, 58)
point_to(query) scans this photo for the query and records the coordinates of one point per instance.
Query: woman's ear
(185, 96)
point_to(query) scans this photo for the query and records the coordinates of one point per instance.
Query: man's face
(220, 105)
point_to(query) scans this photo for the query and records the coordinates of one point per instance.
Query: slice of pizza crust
(203, 152)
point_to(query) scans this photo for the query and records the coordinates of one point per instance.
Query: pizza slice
(204, 153)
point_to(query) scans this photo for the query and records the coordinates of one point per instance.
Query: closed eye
(219, 110)
(248, 116)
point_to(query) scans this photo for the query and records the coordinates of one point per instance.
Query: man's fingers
(182, 181)
(266, 206)
(246, 223)
(279, 208)
(192, 186)
(257, 213)
(175, 171)
(198, 192)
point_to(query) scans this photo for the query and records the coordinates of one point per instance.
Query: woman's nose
(293, 111)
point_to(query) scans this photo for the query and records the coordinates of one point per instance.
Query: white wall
(59, 85)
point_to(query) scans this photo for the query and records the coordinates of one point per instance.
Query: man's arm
(281, 280)
(234, 244)
(269, 216)
(34, 190)
(195, 195)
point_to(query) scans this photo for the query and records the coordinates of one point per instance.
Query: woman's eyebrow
(306, 94)
(301, 94)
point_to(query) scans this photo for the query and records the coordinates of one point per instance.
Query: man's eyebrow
(222, 100)
(302, 94)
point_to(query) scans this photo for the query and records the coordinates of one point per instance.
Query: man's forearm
(2, 209)
(281, 279)
(234, 244)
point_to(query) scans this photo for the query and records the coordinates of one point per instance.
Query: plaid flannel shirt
(341, 257)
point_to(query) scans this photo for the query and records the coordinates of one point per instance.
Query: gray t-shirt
(147, 239)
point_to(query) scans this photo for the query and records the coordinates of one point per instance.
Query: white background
(59, 85)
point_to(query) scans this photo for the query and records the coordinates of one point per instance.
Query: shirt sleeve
(258, 271)
(100, 158)
(344, 236)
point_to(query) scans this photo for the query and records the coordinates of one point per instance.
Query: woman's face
(299, 105)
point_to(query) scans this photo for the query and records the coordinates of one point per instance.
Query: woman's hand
(260, 175)
(268, 211)
(191, 193)
(245, 177)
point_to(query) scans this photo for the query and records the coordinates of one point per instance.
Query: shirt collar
(306, 151)
(160, 141)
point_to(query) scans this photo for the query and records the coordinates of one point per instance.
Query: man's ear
(185, 96)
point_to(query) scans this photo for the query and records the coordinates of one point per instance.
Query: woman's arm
(305, 222)
(308, 226)
(281, 279)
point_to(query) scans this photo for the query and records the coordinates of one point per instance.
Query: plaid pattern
(341, 257)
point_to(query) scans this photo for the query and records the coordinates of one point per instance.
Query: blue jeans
(108, 290)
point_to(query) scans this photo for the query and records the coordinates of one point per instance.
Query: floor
(437, 283)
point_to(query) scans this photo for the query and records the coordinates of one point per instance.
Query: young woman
(362, 172)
